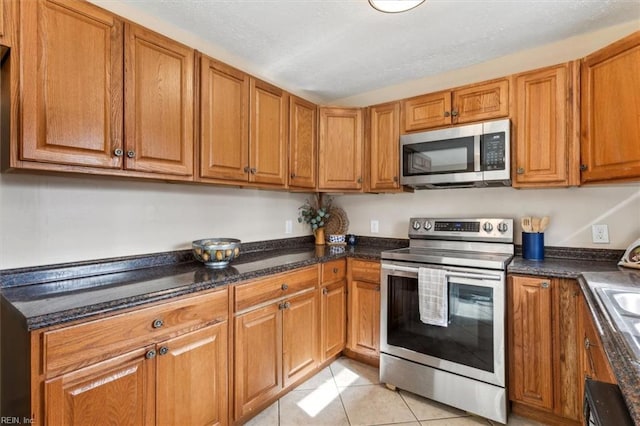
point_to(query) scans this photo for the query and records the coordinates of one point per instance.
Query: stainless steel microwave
(456, 157)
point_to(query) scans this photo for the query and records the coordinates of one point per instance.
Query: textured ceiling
(338, 48)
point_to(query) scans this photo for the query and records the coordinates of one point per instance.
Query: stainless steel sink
(623, 307)
(629, 302)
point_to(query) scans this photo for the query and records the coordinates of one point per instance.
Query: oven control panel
(483, 229)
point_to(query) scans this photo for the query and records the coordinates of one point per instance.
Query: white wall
(572, 211)
(53, 219)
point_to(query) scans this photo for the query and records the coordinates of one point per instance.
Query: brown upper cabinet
(384, 147)
(7, 9)
(268, 138)
(72, 111)
(243, 127)
(224, 121)
(475, 102)
(158, 103)
(87, 77)
(544, 129)
(303, 136)
(340, 149)
(610, 80)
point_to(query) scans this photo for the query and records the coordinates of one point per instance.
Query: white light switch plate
(600, 234)
(288, 226)
(375, 226)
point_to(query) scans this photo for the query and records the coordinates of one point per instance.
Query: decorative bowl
(216, 252)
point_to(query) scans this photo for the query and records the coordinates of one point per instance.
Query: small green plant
(314, 212)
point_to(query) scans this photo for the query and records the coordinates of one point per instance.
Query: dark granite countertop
(565, 262)
(625, 365)
(46, 296)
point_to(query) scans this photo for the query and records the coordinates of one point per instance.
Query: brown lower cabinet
(547, 325)
(165, 364)
(333, 309)
(364, 309)
(276, 339)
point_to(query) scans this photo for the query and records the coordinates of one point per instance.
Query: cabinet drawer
(334, 271)
(260, 291)
(365, 271)
(71, 347)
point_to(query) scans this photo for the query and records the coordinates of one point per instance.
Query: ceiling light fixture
(394, 6)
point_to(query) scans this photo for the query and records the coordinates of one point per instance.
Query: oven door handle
(449, 273)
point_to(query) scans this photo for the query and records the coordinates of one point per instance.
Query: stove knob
(427, 225)
(503, 227)
(415, 225)
(488, 227)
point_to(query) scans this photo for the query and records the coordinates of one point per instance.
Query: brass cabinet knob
(284, 286)
(360, 180)
(520, 170)
(253, 170)
(447, 113)
(544, 284)
(335, 270)
(325, 291)
(157, 323)
(293, 175)
(287, 305)
(150, 354)
(583, 167)
(454, 113)
(163, 350)
(131, 154)
(395, 178)
(247, 169)
(118, 152)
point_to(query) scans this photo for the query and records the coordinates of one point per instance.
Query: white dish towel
(433, 294)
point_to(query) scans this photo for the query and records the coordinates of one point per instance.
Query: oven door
(472, 345)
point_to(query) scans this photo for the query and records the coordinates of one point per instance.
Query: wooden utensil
(526, 223)
(544, 223)
(535, 224)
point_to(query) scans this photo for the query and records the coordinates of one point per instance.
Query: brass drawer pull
(164, 350)
(158, 323)
(284, 286)
(150, 354)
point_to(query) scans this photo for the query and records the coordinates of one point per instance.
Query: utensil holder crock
(533, 245)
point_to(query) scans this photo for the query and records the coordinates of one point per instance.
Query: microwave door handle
(476, 153)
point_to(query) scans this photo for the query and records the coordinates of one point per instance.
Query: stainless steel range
(461, 361)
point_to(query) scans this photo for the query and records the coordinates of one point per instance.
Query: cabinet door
(71, 84)
(302, 143)
(594, 360)
(529, 323)
(121, 389)
(192, 378)
(567, 375)
(426, 111)
(340, 149)
(158, 103)
(300, 336)
(333, 319)
(482, 101)
(542, 127)
(610, 147)
(224, 122)
(384, 147)
(364, 316)
(268, 134)
(258, 358)
(7, 22)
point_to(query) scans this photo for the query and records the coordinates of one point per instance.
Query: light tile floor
(349, 393)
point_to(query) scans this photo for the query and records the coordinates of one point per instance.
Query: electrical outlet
(600, 234)
(288, 226)
(375, 226)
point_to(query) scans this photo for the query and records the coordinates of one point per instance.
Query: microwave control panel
(493, 151)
